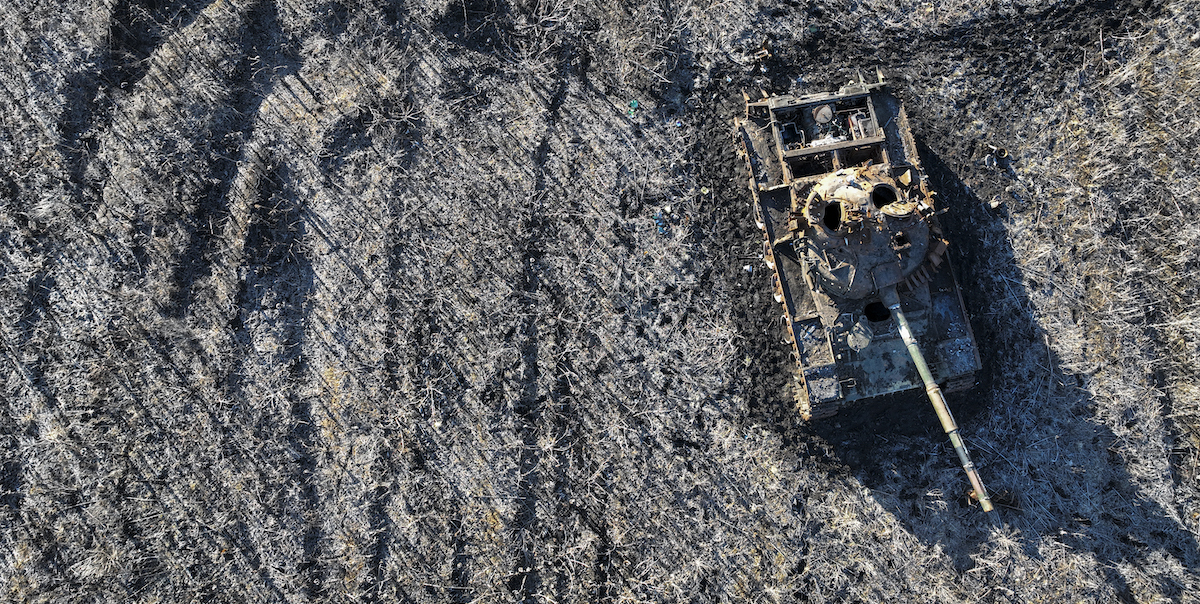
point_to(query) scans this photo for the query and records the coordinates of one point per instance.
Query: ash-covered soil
(425, 301)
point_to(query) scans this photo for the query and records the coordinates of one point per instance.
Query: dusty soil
(411, 301)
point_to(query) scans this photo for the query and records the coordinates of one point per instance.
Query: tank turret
(862, 234)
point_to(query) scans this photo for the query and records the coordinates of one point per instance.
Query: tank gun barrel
(892, 300)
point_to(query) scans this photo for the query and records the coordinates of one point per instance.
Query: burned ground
(309, 300)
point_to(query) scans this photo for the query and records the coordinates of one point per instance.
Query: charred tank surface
(859, 257)
(848, 215)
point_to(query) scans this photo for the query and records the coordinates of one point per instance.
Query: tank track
(961, 383)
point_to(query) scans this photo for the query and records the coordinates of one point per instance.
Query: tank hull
(845, 344)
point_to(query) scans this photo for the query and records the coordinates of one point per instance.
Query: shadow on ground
(1052, 467)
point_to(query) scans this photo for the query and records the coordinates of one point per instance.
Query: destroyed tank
(859, 258)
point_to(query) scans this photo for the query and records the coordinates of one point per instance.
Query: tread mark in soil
(136, 30)
(526, 578)
(280, 278)
(381, 526)
(262, 39)
(460, 575)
